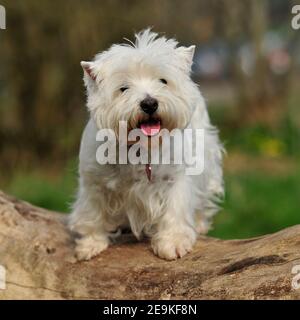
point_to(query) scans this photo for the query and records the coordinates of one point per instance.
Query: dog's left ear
(187, 54)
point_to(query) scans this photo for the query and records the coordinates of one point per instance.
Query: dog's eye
(164, 81)
(123, 89)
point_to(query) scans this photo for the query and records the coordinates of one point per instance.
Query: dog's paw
(89, 246)
(173, 246)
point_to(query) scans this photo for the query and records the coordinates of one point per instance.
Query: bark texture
(37, 251)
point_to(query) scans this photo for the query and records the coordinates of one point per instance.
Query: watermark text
(296, 19)
(2, 18)
(2, 278)
(179, 147)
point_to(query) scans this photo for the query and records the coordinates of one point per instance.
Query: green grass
(257, 203)
(42, 189)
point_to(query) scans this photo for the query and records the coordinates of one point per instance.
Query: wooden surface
(37, 252)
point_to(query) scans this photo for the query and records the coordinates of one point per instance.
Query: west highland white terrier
(148, 85)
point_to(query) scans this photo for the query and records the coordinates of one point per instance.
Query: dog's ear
(186, 54)
(88, 69)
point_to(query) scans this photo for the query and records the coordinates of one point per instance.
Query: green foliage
(260, 139)
(259, 201)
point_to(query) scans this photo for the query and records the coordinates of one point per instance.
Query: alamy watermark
(2, 277)
(2, 17)
(296, 19)
(296, 278)
(164, 147)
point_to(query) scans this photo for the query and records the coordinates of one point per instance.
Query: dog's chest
(148, 175)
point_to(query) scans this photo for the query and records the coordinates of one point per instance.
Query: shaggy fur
(174, 207)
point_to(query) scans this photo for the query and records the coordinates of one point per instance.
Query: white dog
(148, 85)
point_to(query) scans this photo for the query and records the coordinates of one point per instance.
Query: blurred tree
(262, 87)
(41, 94)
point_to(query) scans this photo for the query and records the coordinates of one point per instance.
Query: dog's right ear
(88, 69)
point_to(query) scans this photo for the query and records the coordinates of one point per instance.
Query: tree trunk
(37, 251)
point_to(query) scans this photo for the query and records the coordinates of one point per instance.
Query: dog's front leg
(87, 220)
(176, 234)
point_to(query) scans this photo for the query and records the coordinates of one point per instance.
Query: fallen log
(37, 252)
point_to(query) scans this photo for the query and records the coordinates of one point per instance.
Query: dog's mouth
(150, 127)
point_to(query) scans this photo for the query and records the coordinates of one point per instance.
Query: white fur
(174, 207)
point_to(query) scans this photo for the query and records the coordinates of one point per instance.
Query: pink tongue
(150, 129)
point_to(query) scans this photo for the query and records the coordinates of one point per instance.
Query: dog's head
(146, 83)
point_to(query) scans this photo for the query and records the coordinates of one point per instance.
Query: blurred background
(247, 65)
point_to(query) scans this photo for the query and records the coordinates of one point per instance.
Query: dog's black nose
(149, 105)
